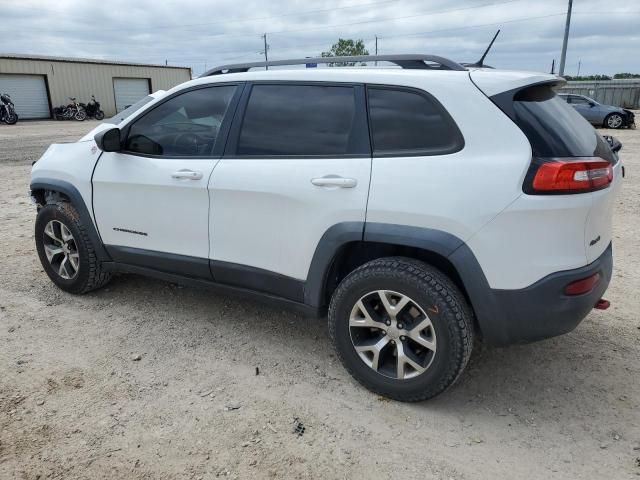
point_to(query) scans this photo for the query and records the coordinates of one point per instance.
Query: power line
(254, 19)
(418, 34)
(404, 17)
(413, 34)
(322, 27)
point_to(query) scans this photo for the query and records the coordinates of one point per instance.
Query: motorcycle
(8, 113)
(72, 111)
(93, 109)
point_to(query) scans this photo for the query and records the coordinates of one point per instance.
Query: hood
(100, 128)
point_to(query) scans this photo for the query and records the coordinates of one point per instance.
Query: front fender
(74, 196)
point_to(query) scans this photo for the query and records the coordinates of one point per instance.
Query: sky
(604, 35)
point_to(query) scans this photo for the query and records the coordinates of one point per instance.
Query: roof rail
(405, 61)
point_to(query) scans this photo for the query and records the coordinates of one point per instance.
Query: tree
(588, 77)
(345, 47)
(626, 75)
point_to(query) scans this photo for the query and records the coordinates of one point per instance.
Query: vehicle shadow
(581, 373)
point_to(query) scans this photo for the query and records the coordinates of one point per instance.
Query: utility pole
(563, 57)
(553, 66)
(376, 49)
(266, 55)
(579, 64)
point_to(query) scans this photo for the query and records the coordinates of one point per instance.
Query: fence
(621, 93)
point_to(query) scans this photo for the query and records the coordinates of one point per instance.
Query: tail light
(568, 175)
(583, 285)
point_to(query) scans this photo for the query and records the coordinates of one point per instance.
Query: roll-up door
(28, 93)
(129, 90)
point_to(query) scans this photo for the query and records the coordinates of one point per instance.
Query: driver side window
(185, 126)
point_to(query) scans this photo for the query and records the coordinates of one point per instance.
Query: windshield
(130, 110)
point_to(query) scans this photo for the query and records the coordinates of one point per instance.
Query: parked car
(421, 207)
(598, 114)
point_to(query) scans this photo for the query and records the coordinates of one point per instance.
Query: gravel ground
(145, 379)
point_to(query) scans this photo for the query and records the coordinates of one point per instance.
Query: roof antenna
(480, 63)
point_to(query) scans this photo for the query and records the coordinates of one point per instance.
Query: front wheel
(11, 118)
(401, 328)
(614, 120)
(65, 249)
(99, 115)
(80, 115)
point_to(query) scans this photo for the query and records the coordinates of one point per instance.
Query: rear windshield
(554, 128)
(131, 109)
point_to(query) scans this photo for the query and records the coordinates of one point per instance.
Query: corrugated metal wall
(81, 80)
(621, 93)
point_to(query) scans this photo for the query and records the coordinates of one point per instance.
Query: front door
(150, 200)
(297, 163)
(586, 109)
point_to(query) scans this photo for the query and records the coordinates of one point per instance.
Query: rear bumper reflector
(583, 285)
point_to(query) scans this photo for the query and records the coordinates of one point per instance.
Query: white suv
(421, 206)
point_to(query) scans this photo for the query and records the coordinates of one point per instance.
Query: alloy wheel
(392, 334)
(614, 121)
(61, 249)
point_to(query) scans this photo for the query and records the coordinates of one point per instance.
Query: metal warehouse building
(37, 84)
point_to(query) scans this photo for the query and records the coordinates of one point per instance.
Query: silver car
(598, 114)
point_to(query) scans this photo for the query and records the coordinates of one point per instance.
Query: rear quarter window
(552, 126)
(408, 122)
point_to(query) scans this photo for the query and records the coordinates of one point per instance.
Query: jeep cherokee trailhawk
(420, 206)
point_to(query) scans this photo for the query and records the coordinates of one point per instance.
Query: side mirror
(108, 140)
(591, 104)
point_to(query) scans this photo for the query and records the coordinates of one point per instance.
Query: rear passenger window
(302, 120)
(406, 122)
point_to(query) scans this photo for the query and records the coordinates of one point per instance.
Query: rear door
(297, 163)
(150, 200)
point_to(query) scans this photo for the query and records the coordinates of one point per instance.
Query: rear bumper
(542, 310)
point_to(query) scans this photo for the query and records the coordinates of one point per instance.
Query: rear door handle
(334, 181)
(188, 174)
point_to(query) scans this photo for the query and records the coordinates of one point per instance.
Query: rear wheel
(401, 328)
(65, 250)
(614, 120)
(99, 115)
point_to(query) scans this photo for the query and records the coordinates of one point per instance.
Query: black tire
(614, 120)
(434, 292)
(90, 274)
(11, 118)
(99, 115)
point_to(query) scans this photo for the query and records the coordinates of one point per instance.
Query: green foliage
(346, 47)
(618, 76)
(588, 77)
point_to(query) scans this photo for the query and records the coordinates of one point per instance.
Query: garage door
(29, 94)
(129, 90)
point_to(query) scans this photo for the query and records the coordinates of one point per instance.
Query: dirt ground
(74, 402)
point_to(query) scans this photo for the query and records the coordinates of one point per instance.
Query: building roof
(23, 56)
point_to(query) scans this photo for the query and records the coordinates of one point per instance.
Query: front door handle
(188, 174)
(334, 181)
